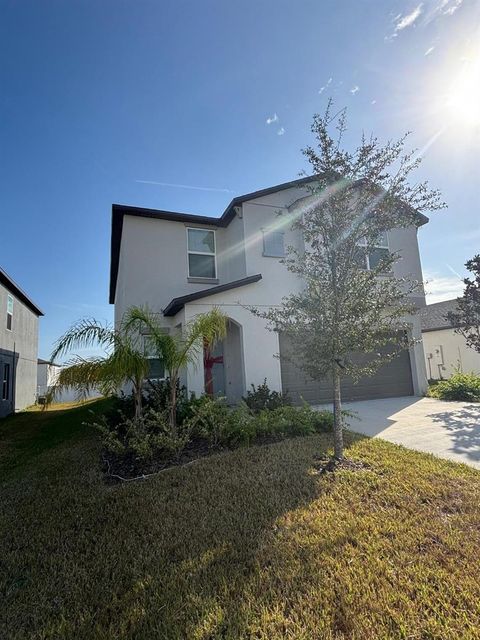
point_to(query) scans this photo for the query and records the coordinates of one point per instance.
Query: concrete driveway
(447, 429)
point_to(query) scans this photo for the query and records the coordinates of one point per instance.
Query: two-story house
(181, 265)
(18, 347)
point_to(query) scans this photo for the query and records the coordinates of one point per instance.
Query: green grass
(247, 544)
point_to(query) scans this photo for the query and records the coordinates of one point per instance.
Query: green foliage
(143, 437)
(177, 349)
(261, 397)
(213, 421)
(460, 386)
(354, 198)
(466, 318)
(122, 362)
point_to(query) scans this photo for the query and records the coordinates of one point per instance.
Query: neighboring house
(18, 347)
(181, 265)
(47, 376)
(445, 350)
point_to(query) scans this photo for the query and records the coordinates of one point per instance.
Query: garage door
(391, 380)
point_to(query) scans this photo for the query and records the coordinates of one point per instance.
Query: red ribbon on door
(208, 361)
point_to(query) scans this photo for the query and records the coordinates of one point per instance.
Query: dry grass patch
(253, 543)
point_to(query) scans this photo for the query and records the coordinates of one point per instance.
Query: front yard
(251, 543)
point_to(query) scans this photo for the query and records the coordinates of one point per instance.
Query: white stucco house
(181, 265)
(445, 350)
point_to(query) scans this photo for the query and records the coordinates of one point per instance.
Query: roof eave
(14, 288)
(177, 304)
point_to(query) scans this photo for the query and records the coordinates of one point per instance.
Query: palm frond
(140, 320)
(210, 327)
(83, 375)
(84, 333)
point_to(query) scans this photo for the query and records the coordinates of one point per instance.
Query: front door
(214, 370)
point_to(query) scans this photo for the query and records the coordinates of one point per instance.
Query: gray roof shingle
(433, 317)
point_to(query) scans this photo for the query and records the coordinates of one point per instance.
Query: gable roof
(177, 304)
(432, 317)
(13, 287)
(121, 210)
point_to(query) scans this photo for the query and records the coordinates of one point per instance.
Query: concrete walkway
(447, 429)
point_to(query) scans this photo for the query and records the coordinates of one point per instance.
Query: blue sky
(101, 99)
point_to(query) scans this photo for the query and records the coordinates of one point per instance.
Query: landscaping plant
(177, 349)
(466, 319)
(122, 363)
(460, 386)
(351, 301)
(261, 397)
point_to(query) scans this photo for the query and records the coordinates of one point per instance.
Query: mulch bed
(127, 468)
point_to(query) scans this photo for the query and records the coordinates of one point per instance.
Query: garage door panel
(392, 379)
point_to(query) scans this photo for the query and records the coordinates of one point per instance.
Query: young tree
(351, 301)
(177, 350)
(466, 319)
(123, 361)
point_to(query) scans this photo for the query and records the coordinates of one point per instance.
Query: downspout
(14, 389)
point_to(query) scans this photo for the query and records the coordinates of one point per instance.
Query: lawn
(246, 544)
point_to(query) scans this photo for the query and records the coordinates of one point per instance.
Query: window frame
(145, 337)
(266, 233)
(11, 299)
(6, 383)
(376, 246)
(202, 253)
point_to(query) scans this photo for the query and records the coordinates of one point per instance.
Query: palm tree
(122, 363)
(177, 350)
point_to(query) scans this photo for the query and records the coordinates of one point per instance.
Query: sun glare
(463, 100)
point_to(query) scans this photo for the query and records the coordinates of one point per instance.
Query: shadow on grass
(25, 435)
(164, 558)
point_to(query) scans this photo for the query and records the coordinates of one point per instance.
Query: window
(371, 259)
(6, 381)
(201, 253)
(156, 369)
(273, 244)
(9, 312)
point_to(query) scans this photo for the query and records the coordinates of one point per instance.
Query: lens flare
(463, 100)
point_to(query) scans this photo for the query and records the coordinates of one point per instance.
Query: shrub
(213, 421)
(158, 398)
(208, 422)
(460, 386)
(292, 421)
(144, 438)
(261, 397)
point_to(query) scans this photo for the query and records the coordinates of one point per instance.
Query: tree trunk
(138, 398)
(337, 415)
(173, 405)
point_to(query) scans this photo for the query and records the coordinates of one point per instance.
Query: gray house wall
(19, 348)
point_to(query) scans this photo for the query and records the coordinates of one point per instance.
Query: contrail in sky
(184, 186)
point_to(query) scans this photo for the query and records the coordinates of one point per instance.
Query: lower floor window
(6, 382)
(156, 367)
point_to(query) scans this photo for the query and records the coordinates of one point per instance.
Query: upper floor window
(156, 368)
(9, 312)
(201, 253)
(372, 259)
(273, 244)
